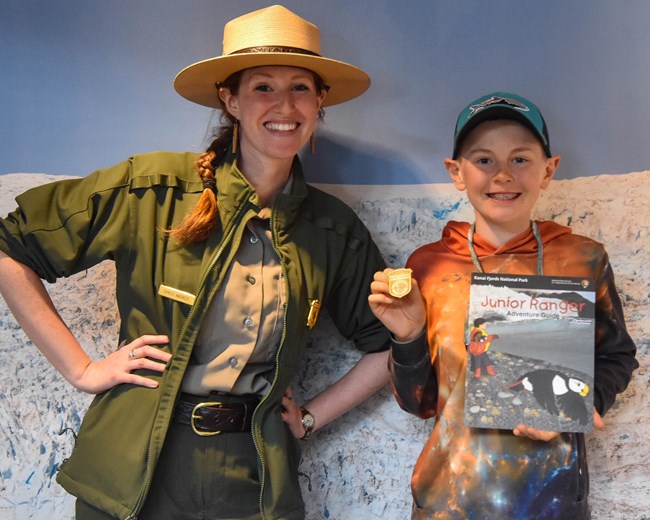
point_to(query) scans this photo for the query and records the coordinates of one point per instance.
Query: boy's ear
(453, 167)
(551, 167)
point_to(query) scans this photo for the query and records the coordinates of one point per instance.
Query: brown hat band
(293, 50)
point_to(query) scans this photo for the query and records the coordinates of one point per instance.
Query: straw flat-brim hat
(271, 36)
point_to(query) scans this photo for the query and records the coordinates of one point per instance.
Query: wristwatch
(308, 423)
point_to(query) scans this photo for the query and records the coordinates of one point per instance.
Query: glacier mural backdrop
(360, 466)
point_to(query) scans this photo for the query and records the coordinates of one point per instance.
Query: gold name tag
(176, 294)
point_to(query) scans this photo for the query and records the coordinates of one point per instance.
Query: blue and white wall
(85, 84)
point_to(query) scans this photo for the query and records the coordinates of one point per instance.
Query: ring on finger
(132, 354)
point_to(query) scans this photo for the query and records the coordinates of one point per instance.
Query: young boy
(502, 159)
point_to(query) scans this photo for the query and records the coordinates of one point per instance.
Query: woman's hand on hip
(291, 414)
(118, 367)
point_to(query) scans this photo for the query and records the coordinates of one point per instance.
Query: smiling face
(277, 108)
(502, 166)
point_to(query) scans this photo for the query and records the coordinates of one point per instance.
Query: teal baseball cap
(501, 105)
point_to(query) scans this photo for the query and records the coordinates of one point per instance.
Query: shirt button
(233, 362)
(251, 279)
(253, 239)
(248, 323)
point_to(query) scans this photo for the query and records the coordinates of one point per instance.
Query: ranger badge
(399, 282)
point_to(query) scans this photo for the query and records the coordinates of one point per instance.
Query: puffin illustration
(555, 391)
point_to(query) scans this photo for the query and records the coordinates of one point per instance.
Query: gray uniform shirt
(243, 328)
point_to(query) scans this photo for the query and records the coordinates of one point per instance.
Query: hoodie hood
(454, 239)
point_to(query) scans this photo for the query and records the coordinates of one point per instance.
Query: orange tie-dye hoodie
(470, 473)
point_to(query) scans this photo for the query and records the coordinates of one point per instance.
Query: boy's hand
(599, 424)
(532, 433)
(405, 317)
(540, 435)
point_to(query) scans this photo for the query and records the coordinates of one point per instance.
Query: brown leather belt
(211, 417)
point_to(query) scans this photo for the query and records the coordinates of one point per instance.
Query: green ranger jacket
(327, 257)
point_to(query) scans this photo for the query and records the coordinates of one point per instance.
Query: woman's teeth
(281, 127)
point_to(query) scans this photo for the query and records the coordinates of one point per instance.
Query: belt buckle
(195, 416)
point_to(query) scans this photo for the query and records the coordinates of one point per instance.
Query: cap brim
(492, 114)
(197, 82)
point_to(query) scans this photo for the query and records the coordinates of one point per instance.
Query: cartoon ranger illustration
(478, 346)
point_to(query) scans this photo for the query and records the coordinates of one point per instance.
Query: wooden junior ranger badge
(399, 282)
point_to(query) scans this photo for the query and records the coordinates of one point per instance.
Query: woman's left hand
(292, 415)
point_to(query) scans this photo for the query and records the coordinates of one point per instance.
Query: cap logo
(494, 100)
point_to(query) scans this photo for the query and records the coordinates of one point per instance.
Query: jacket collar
(234, 190)
(287, 205)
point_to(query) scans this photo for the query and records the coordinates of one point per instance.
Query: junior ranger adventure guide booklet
(530, 352)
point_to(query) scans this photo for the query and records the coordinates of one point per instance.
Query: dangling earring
(312, 143)
(235, 136)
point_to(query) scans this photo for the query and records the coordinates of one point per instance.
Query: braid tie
(205, 170)
(209, 184)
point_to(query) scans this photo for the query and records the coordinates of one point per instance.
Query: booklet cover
(530, 352)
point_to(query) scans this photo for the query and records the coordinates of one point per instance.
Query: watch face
(308, 421)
